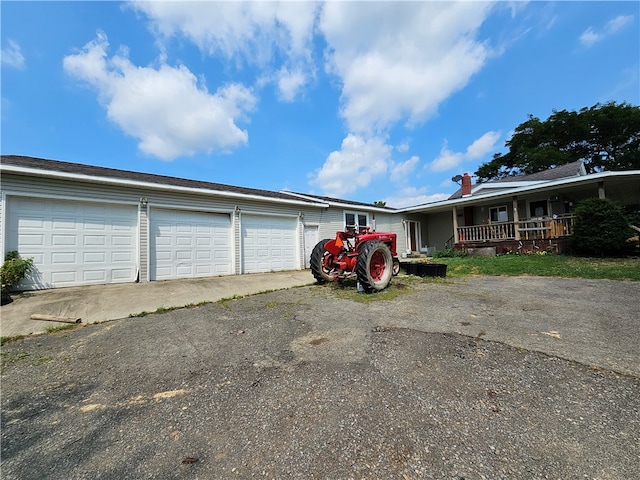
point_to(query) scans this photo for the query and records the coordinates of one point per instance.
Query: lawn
(544, 265)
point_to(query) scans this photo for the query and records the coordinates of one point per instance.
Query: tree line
(604, 137)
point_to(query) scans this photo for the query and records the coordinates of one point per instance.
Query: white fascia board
(332, 203)
(523, 189)
(154, 186)
(503, 186)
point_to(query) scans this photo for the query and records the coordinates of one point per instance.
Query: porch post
(600, 189)
(516, 218)
(456, 238)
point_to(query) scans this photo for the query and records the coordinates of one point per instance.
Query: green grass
(505, 265)
(545, 266)
(348, 289)
(63, 328)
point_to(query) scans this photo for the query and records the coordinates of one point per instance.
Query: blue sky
(364, 101)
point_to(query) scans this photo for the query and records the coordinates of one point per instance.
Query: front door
(413, 236)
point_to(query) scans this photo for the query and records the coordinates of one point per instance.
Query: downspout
(239, 233)
(601, 190)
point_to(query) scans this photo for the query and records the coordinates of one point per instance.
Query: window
(538, 209)
(498, 214)
(355, 221)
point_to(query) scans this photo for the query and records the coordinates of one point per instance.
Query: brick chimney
(466, 185)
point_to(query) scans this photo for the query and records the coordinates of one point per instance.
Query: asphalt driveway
(488, 377)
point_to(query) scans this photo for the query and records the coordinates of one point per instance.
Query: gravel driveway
(488, 377)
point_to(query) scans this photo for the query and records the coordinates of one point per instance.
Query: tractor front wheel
(374, 266)
(321, 262)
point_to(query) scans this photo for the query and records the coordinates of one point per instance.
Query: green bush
(601, 229)
(449, 253)
(13, 270)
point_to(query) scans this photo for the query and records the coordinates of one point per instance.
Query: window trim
(355, 214)
(498, 209)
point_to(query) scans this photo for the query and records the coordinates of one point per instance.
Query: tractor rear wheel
(374, 266)
(321, 261)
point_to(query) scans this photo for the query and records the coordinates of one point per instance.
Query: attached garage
(188, 244)
(74, 242)
(87, 225)
(269, 243)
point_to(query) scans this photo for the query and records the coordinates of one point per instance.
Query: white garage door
(74, 243)
(268, 243)
(185, 244)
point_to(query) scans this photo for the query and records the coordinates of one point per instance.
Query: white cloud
(290, 83)
(398, 61)
(252, 33)
(402, 170)
(591, 36)
(482, 146)
(12, 56)
(448, 160)
(354, 166)
(167, 109)
(403, 147)
(411, 196)
(618, 23)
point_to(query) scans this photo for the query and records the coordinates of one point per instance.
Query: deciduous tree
(604, 137)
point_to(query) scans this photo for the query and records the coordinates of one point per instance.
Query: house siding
(18, 184)
(440, 228)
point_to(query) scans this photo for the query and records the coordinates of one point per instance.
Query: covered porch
(530, 234)
(529, 229)
(525, 217)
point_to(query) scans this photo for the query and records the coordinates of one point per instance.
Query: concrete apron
(98, 303)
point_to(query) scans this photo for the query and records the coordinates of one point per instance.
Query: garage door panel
(121, 257)
(71, 242)
(64, 278)
(120, 275)
(94, 241)
(121, 241)
(94, 276)
(94, 257)
(30, 240)
(189, 244)
(68, 258)
(60, 224)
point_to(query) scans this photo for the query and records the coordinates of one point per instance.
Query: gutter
(352, 206)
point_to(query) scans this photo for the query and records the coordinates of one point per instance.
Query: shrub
(601, 229)
(449, 253)
(13, 270)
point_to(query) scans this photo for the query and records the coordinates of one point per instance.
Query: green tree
(604, 137)
(600, 229)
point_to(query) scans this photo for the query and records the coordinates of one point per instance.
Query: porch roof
(621, 181)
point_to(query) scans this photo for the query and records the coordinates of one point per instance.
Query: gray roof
(103, 172)
(338, 200)
(573, 169)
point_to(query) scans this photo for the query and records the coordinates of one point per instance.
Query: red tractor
(371, 256)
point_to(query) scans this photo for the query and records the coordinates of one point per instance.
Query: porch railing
(529, 229)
